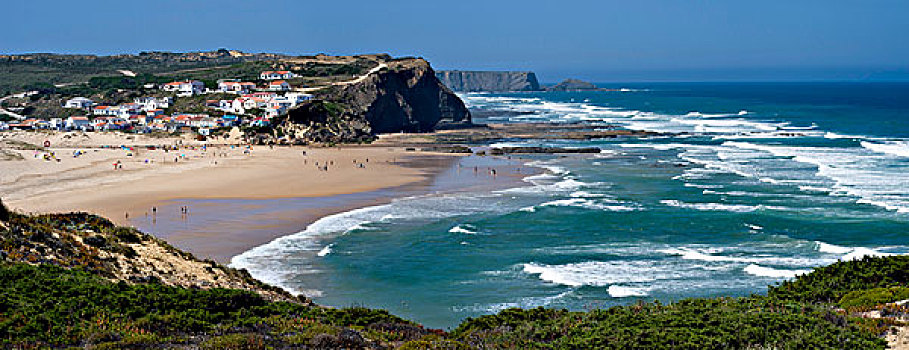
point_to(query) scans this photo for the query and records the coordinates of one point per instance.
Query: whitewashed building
(79, 102)
(278, 85)
(236, 86)
(78, 123)
(276, 74)
(153, 103)
(185, 88)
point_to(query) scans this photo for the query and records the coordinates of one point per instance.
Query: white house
(278, 85)
(105, 110)
(236, 86)
(276, 74)
(153, 103)
(297, 97)
(281, 102)
(78, 123)
(56, 123)
(185, 88)
(79, 102)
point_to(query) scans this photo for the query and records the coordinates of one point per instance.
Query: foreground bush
(53, 306)
(733, 323)
(829, 284)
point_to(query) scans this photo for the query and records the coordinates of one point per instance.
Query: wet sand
(222, 228)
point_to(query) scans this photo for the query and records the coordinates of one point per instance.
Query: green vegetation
(37, 71)
(51, 306)
(831, 283)
(244, 71)
(863, 299)
(64, 297)
(108, 83)
(196, 104)
(725, 323)
(316, 69)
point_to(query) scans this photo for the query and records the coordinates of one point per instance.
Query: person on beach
(154, 211)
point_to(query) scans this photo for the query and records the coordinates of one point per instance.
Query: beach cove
(217, 201)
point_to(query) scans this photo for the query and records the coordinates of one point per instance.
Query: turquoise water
(759, 183)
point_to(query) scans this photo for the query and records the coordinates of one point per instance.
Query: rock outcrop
(492, 81)
(573, 85)
(404, 96)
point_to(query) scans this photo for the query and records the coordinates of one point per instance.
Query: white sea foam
(763, 271)
(617, 291)
(833, 135)
(465, 229)
(709, 256)
(832, 249)
(589, 204)
(896, 148)
(325, 251)
(859, 253)
(524, 303)
(855, 172)
(271, 262)
(600, 273)
(737, 208)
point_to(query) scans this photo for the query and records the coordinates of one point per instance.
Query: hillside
(77, 280)
(353, 97)
(42, 70)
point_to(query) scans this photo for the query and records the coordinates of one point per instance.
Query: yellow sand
(90, 183)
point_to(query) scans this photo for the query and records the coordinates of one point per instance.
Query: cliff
(473, 81)
(398, 95)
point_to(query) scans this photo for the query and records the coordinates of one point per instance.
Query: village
(254, 106)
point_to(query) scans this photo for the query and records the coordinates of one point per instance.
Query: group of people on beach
(323, 166)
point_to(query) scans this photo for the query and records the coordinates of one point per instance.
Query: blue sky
(641, 40)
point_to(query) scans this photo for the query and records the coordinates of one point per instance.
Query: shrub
(873, 297)
(235, 342)
(127, 235)
(829, 284)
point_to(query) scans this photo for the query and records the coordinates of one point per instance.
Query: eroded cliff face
(403, 96)
(475, 81)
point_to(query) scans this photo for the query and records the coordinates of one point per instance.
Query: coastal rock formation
(573, 85)
(475, 81)
(402, 96)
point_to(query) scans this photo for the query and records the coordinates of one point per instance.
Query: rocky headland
(404, 95)
(491, 81)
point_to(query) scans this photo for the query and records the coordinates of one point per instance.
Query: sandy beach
(224, 187)
(83, 176)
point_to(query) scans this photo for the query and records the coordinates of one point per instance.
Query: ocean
(751, 184)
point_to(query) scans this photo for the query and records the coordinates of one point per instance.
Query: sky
(628, 40)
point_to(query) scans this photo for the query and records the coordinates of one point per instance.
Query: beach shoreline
(218, 201)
